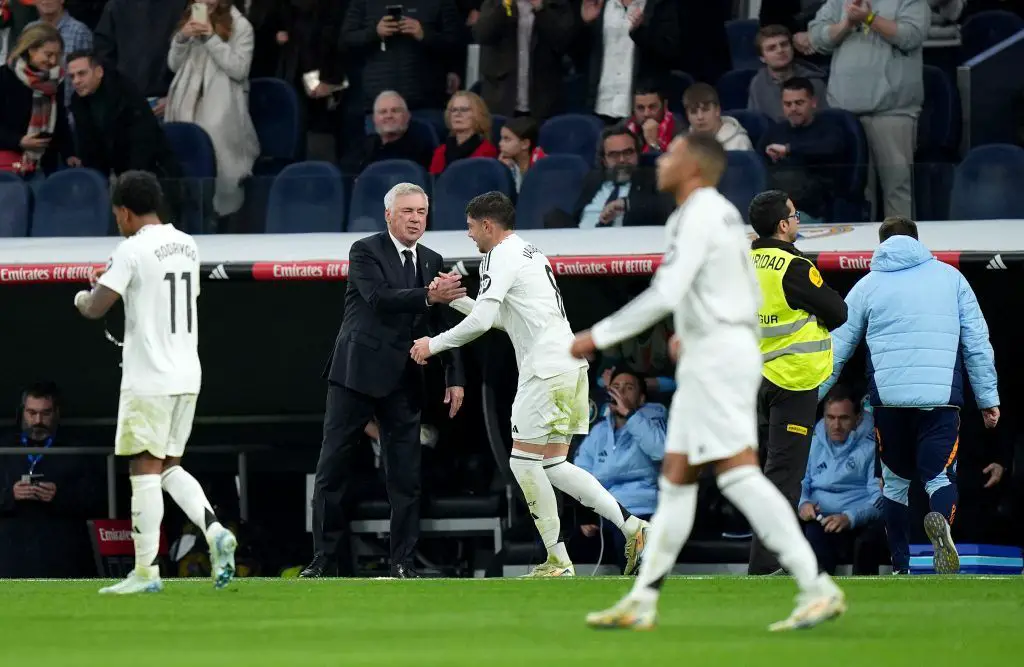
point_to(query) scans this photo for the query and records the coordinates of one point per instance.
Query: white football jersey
(519, 277)
(706, 271)
(156, 272)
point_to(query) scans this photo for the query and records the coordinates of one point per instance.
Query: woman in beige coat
(210, 59)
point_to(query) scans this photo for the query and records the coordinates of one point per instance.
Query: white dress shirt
(615, 87)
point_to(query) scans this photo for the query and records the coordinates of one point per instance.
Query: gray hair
(401, 190)
(390, 93)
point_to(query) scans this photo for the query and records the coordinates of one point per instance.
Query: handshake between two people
(443, 289)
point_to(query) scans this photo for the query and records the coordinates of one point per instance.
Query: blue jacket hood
(898, 253)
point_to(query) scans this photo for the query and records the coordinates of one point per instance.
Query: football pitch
(537, 623)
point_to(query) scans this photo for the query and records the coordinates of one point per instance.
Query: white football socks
(670, 528)
(772, 518)
(147, 514)
(585, 488)
(528, 469)
(189, 496)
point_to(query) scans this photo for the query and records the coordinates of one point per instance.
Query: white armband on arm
(475, 325)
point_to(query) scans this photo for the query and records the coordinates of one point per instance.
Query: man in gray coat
(878, 74)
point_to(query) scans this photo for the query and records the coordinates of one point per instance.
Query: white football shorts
(713, 415)
(159, 425)
(552, 410)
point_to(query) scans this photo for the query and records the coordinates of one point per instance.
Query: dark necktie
(616, 189)
(410, 269)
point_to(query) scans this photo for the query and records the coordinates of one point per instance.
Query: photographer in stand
(46, 500)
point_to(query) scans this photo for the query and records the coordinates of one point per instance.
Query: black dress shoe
(320, 567)
(404, 572)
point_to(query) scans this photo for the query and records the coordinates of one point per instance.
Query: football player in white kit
(518, 294)
(707, 281)
(155, 270)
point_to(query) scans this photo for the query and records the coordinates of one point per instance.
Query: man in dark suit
(370, 374)
(622, 194)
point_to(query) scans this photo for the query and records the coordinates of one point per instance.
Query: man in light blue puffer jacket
(624, 450)
(923, 327)
(839, 497)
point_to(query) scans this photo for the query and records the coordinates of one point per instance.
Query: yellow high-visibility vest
(795, 347)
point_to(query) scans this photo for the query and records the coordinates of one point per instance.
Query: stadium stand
(73, 202)
(306, 197)
(986, 185)
(15, 203)
(366, 210)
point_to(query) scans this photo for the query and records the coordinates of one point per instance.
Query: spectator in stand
(840, 496)
(20, 13)
(211, 62)
(45, 500)
(86, 11)
(392, 139)
(704, 113)
(805, 151)
(132, 36)
(34, 130)
(624, 452)
(271, 22)
(794, 15)
(923, 328)
(522, 43)
(469, 124)
(407, 55)
(775, 45)
(626, 39)
(76, 36)
(518, 149)
(651, 118)
(619, 194)
(878, 73)
(115, 129)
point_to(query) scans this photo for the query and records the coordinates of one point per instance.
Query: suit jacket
(498, 35)
(117, 131)
(646, 206)
(383, 317)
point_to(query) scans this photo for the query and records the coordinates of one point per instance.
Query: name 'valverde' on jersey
(156, 272)
(519, 277)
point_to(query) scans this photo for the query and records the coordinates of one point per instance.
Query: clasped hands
(444, 288)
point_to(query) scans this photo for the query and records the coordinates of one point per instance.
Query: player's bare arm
(476, 324)
(96, 303)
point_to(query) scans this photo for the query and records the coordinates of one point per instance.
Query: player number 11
(172, 280)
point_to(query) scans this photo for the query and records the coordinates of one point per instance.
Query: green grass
(906, 621)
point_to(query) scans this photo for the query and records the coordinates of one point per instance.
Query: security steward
(798, 311)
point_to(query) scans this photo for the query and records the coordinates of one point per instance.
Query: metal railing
(241, 451)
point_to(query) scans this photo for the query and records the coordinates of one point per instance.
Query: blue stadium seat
(734, 88)
(849, 204)
(984, 30)
(552, 182)
(742, 33)
(434, 118)
(14, 206)
(743, 179)
(275, 111)
(754, 122)
(462, 181)
(572, 134)
(194, 150)
(306, 197)
(73, 202)
(675, 86)
(574, 87)
(418, 127)
(987, 184)
(366, 210)
(497, 122)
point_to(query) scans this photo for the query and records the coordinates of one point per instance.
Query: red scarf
(5, 13)
(666, 130)
(44, 85)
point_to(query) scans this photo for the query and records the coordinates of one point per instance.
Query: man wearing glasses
(797, 312)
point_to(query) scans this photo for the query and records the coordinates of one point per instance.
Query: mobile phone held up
(32, 479)
(395, 11)
(200, 12)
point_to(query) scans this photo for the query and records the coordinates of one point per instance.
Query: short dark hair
(647, 87)
(137, 191)
(841, 392)
(769, 31)
(524, 127)
(640, 378)
(767, 210)
(710, 154)
(896, 225)
(42, 389)
(618, 130)
(494, 206)
(799, 83)
(84, 53)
